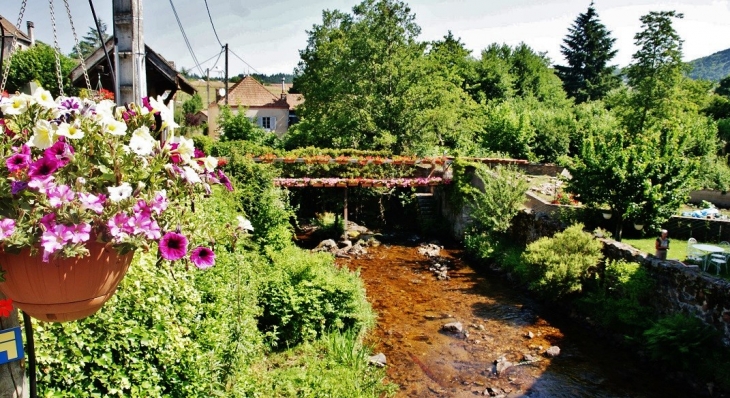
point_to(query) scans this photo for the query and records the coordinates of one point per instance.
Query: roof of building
(11, 30)
(157, 67)
(250, 93)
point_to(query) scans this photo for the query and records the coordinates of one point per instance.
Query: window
(268, 123)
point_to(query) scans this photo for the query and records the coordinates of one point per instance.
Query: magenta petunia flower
(49, 221)
(224, 180)
(198, 153)
(202, 257)
(43, 167)
(173, 246)
(16, 162)
(60, 151)
(7, 227)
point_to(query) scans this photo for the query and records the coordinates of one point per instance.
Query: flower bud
(80, 182)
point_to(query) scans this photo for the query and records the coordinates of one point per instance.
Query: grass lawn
(677, 251)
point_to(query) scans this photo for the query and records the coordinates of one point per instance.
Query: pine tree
(90, 41)
(588, 48)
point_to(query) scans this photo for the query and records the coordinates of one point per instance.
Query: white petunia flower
(117, 194)
(115, 127)
(210, 163)
(166, 114)
(16, 105)
(141, 146)
(43, 136)
(191, 175)
(185, 148)
(44, 98)
(244, 224)
(144, 133)
(72, 131)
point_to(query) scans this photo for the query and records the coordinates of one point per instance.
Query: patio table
(707, 249)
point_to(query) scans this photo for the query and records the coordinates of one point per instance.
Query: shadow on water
(499, 324)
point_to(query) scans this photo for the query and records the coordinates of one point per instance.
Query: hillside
(712, 67)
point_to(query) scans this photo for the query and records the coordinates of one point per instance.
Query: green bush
(621, 298)
(143, 342)
(302, 296)
(329, 226)
(681, 340)
(555, 267)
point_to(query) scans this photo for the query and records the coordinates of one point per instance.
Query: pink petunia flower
(60, 151)
(92, 202)
(59, 195)
(43, 185)
(48, 221)
(159, 203)
(78, 233)
(142, 223)
(7, 228)
(119, 226)
(53, 240)
(202, 257)
(173, 246)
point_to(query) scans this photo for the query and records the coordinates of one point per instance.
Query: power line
(247, 64)
(207, 60)
(185, 37)
(212, 24)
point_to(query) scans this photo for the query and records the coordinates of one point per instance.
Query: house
(272, 112)
(162, 78)
(8, 31)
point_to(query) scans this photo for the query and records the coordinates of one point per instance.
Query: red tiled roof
(250, 93)
(11, 30)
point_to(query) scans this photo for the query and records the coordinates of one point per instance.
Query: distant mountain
(712, 67)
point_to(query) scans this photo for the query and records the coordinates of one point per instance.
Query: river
(500, 323)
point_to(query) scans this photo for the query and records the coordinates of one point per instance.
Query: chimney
(283, 88)
(31, 33)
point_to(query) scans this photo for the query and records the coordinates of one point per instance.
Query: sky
(265, 36)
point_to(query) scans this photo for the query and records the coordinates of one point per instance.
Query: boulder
(552, 352)
(378, 360)
(328, 245)
(453, 327)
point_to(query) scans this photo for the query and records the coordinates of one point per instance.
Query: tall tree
(369, 84)
(644, 166)
(90, 41)
(588, 48)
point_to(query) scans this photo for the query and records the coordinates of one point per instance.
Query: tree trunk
(619, 228)
(12, 375)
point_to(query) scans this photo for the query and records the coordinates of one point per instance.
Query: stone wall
(719, 199)
(681, 288)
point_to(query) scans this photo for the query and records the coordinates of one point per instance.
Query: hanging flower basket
(63, 289)
(353, 182)
(290, 159)
(341, 184)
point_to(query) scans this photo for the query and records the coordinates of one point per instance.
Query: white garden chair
(718, 260)
(693, 254)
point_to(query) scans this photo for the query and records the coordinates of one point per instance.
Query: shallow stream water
(413, 305)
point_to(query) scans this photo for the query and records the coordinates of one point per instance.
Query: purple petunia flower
(7, 227)
(53, 239)
(202, 257)
(17, 186)
(17, 162)
(142, 223)
(173, 246)
(43, 167)
(159, 203)
(70, 105)
(224, 180)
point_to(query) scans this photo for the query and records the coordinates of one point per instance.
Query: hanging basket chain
(78, 49)
(57, 51)
(12, 47)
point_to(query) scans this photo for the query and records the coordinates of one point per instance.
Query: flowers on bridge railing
(359, 182)
(343, 160)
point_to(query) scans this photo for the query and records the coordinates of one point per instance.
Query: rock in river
(453, 327)
(378, 360)
(553, 351)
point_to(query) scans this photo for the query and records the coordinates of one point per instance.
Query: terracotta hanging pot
(63, 289)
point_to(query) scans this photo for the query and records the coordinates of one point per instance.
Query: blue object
(11, 345)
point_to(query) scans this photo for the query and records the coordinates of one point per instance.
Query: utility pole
(207, 87)
(130, 51)
(226, 78)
